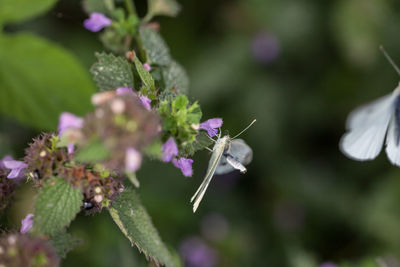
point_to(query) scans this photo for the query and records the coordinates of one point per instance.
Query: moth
(228, 154)
(369, 126)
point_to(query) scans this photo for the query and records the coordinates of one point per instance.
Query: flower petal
(185, 165)
(124, 90)
(170, 149)
(69, 121)
(145, 101)
(96, 22)
(133, 159)
(211, 126)
(26, 223)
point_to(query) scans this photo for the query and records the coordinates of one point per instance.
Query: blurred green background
(298, 67)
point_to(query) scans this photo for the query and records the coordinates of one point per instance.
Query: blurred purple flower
(170, 149)
(265, 47)
(17, 168)
(211, 126)
(26, 223)
(96, 22)
(214, 227)
(328, 264)
(145, 101)
(196, 253)
(146, 66)
(133, 159)
(69, 121)
(185, 165)
(6, 158)
(124, 90)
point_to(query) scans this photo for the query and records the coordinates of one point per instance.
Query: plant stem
(130, 6)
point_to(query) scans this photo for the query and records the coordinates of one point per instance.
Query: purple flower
(26, 223)
(185, 165)
(96, 22)
(145, 101)
(133, 159)
(124, 90)
(196, 253)
(211, 126)
(265, 48)
(6, 158)
(146, 66)
(170, 149)
(69, 121)
(17, 168)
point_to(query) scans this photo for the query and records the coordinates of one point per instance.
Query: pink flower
(26, 223)
(211, 126)
(17, 168)
(145, 101)
(133, 159)
(185, 165)
(146, 66)
(69, 121)
(96, 22)
(170, 149)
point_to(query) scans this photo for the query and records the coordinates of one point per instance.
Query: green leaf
(111, 72)
(133, 220)
(202, 141)
(163, 7)
(39, 80)
(101, 6)
(180, 102)
(95, 151)
(156, 49)
(19, 10)
(146, 78)
(64, 242)
(56, 206)
(175, 78)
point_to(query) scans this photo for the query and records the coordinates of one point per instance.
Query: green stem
(130, 7)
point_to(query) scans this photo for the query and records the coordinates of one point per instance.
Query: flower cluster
(25, 250)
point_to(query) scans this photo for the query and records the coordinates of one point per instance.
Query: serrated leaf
(146, 78)
(202, 141)
(156, 49)
(163, 7)
(93, 152)
(175, 78)
(64, 242)
(19, 10)
(56, 206)
(39, 80)
(133, 220)
(111, 72)
(180, 102)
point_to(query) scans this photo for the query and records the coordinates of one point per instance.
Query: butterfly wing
(218, 150)
(367, 126)
(393, 135)
(241, 154)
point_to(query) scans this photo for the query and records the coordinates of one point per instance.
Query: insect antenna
(389, 59)
(245, 129)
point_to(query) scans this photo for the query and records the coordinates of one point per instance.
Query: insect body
(228, 154)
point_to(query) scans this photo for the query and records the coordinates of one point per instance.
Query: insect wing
(241, 154)
(218, 150)
(367, 127)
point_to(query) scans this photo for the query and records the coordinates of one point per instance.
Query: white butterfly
(228, 154)
(367, 127)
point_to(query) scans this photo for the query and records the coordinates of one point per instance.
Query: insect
(228, 154)
(368, 125)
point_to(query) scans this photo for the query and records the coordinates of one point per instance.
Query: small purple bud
(146, 66)
(69, 121)
(170, 149)
(124, 90)
(26, 223)
(196, 253)
(211, 126)
(133, 159)
(185, 165)
(17, 168)
(146, 102)
(96, 22)
(265, 47)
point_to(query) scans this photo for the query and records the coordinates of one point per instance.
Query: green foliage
(56, 206)
(39, 80)
(111, 72)
(93, 152)
(64, 242)
(102, 6)
(149, 88)
(175, 78)
(202, 141)
(162, 7)
(155, 47)
(19, 10)
(133, 220)
(179, 119)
